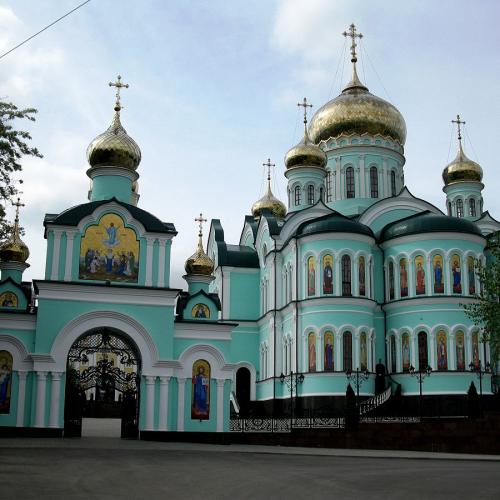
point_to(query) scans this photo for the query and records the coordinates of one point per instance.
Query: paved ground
(111, 469)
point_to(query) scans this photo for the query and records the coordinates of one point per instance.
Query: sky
(214, 88)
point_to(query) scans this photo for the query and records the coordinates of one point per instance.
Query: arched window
(460, 208)
(391, 281)
(472, 207)
(310, 194)
(442, 351)
(393, 183)
(328, 186)
(297, 195)
(349, 182)
(346, 276)
(311, 352)
(460, 350)
(449, 208)
(347, 350)
(321, 194)
(328, 363)
(392, 345)
(405, 351)
(374, 182)
(423, 359)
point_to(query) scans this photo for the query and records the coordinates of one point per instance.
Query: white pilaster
(161, 263)
(69, 256)
(21, 398)
(41, 387)
(149, 261)
(181, 396)
(162, 422)
(399, 354)
(55, 398)
(356, 361)
(428, 276)
(432, 351)
(338, 178)
(452, 357)
(410, 271)
(55, 255)
(220, 405)
(150, 402)
(362, 187)
(413, 350)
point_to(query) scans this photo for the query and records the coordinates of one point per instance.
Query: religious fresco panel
(456, 274)
(109, 251)
(311, 276)
(362, 276)
(403, 277)
(8, 299)
(329, 351)
(442, 351)
(5, 381)
(200, 399)
(391, 281)
(476, 360)
(311, 348)
(419, 275)
(460, 350)
(472, 275)
(363, 355)
(200, 311)
(327, 274)
(405, 351)
(437, 268)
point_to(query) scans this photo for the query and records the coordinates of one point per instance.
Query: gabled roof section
(488, 224)
(185, 297)
(250, 225)
(72, 216)
(24, 288)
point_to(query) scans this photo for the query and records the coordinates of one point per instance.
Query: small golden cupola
(461, 169)
(199, 263)
(114, 147)
(14, 249)
(268, 201)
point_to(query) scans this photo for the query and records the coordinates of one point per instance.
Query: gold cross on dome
(353, 35)
(458, 122)
(18, 205)
(200, 220)
(119, 85)
(304, 104)
(268, 165)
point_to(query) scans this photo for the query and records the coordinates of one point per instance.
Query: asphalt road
(108, 469)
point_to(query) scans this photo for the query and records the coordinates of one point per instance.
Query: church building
(353, 277)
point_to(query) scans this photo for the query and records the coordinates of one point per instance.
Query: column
(468, 349)
(55, 255)
(220, 405)
(41, 386)
(355, 276)
(338, 283)
(55, 398)
(411, 276)
(432, 351)
(399, 354)
(447, 276)
(162, 422)
(413, 350)
(149, 261)
(362, 187)
(452, 358)
(21, 397)
(181, 389)
(161, 263)
(338, 180)
(355, 363)
(69, 256)
(369, 351)
(338, 352)
(428, 275)
(150, 402)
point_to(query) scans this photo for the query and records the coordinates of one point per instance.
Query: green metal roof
(333, 223)
(427, 222)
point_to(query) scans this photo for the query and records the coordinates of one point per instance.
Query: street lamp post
(420, 375)
(478, 369)
(292, 383)
(357, 377)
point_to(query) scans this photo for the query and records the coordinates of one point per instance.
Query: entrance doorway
(103, 381)
(243, 390)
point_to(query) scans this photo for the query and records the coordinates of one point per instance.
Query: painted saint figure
(457, 274)
(362, 280)
(311, 277)
(391, 281)
(438, 274)
(471, 275)
(5, 381)
(328, 351)
(476, 361)
(405, 346)
(311, 341)
(403, 276)
(327, 274)
(420, 275)
(460, 350)
(362, 352)
(442, 355)
(200, 407)
(112, 232)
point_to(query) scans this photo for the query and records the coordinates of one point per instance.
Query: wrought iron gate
(115, 368)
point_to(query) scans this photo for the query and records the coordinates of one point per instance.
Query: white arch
(104, 319)
(219, 368)
(253, 376)
(20, 356)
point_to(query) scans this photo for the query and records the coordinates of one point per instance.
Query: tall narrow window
(472, 207)
(346, 276)
(393, 183)
(374, 182)
(328, 186)
(349, 182)
(460, 208)
(347, 350)
(310, 195)
(423, 359)
(393, 354)
(297, 195)
(449, 208)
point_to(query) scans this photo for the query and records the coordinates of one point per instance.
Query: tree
(485, 311)
(13, 147)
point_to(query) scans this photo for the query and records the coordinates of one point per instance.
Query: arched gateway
(103, 376)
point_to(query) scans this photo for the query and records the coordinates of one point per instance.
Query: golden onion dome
(114, 148)
(357, 111)
(14, 249)
(199, 263)
(305, 154)
(268, 202)
(461, 169)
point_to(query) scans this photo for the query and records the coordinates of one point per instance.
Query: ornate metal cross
(353, 35)
(458, 122)
(119, 85)
(268, 165)
(200, 220)
(304, 104)
(18, 205)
